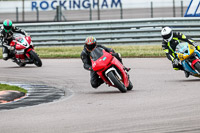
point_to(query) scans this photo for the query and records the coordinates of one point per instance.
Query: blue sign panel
(193, 9)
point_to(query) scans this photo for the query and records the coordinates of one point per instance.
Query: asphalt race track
(162, 101)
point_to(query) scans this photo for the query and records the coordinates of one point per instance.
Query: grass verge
(128, 51)
(4, 87)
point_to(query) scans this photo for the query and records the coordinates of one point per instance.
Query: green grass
(128, 51)
(11, 87)
(140, 51)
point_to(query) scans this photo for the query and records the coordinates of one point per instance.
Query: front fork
(27, 52)
(112, 69)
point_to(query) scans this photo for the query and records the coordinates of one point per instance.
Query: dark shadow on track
(21, 67)
(110, 92)
(189, 80)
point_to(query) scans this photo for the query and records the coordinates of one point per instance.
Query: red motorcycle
(110, 70)
(23, 51)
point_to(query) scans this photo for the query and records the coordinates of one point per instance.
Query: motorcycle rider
(6, 35)
(170, 41)
(90, 44)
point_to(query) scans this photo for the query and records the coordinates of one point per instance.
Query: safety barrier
(126, 32)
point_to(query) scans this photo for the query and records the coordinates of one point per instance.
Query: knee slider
(176, 69)
(5, 56)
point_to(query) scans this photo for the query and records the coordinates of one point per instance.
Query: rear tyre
(130, 86)
(36, 59)
(197, 66)
(117, 82)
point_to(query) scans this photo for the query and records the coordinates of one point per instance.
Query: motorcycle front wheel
(35, 58)
(130, 86)
(197, 66)
(117, 82)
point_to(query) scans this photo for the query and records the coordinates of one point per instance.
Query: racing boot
(187, 74)
(127, 69)
(14, 60)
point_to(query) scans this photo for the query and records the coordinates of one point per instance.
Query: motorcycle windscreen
(96, 53)
(184, 51)
(181, 48)
(18, 37)
(100, 59)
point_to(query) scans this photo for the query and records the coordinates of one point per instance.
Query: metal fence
(138, 9)
(122, 32)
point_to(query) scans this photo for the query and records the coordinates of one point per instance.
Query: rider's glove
(10, 48)
(175, 62)
(196, 46)
(119, 55)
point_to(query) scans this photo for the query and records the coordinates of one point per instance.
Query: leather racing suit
(169, 47)
(6, 38)
(95, 80)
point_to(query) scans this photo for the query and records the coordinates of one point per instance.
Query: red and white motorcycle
(23, 51)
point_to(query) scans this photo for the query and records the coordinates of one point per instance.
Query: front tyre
(197, 66)
(130, 86)
(35, 58)
(117, 82)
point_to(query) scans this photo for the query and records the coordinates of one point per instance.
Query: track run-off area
(162, 100)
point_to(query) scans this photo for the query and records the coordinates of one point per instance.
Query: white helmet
(167, 34)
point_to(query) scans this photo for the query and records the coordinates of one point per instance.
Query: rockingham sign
(75, 4)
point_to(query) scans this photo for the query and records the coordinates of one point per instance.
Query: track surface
(162, 101)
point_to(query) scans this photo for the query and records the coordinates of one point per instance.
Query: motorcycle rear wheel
(197, 66)
(35, 58)
(116, 82)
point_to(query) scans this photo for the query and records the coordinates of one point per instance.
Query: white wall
(10, 6)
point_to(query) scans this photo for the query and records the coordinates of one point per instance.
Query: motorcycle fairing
(22, 46)
(106, 59)
(187, 67)
(190, 66)
(28, 39)
(182, 55)
(117, 64)
(19, 47)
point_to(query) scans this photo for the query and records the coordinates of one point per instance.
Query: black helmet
(167, 34)
(7, 24)
(90, 43)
